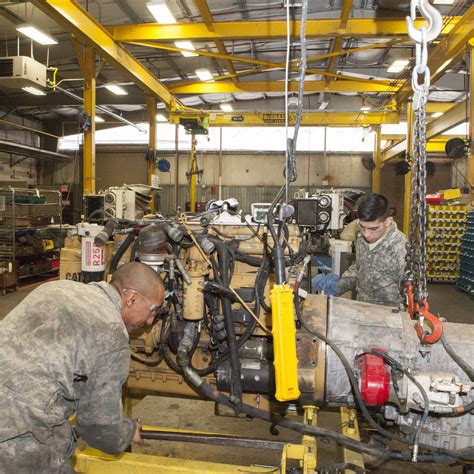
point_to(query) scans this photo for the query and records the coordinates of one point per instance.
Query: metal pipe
(211, 439)
(102, 109)
(176, 178)
(29, 129)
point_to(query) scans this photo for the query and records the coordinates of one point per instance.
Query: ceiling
(252, 79)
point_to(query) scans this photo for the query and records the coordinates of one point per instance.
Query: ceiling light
(186, 45)
(365, 108)
(99, 119)
(161, 12)
(398, 65)
(33, 90)
(323, 105)
(436, 114)
(117, 90)
(443, 2)
(161, 118)
(36, 34)
(203, 74)
(226, 107)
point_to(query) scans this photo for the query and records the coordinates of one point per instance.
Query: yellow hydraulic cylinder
(284, 343)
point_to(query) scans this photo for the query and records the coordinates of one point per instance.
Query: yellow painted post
(470, 173)
(192, 177)
(409, 152)
(89, 108)
(376, 173)
(151, 102)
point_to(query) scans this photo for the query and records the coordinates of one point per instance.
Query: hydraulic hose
(224, 264)
(468, 369)
(121, 251)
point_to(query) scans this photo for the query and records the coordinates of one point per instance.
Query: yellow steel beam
(470, 170)
(88, 154)
(350, 428)
(447, 53)
(376, 173)
(76, 20)
(338, 42)
(267, 64)
(208, 20)
(451, 118)
(335, 119)
(230, 30)
(309, 86)
(93, 461)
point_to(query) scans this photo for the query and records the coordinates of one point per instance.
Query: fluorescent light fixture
(161, 12)
(365, 108)
(226, 107)
(99, 119)
(161, 118)
(323, 105)
(33, 90)
(203, 74)
(436, 114)
(398, 65)
(35, 34)
(117, 90)
(186, 45)
(443, 2)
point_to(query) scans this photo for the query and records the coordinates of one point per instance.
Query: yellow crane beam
(447, 52)
(451, 118)
(231, 30)
(75, 19)
(279, 86)
(208, 20)
(338, 42)
(334, 119)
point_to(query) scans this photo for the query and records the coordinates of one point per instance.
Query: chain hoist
(415, 272)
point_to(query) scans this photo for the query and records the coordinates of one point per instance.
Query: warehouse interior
(252, 131)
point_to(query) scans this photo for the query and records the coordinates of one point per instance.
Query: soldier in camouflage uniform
(380, 248)
(65, 352)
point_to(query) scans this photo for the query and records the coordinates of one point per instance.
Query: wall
(393, 186)
(248, 177)
(16, 170)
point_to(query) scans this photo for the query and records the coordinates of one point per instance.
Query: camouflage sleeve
(348, 280)
(99, 410)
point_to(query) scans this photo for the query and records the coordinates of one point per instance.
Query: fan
(368, 163)
(456, 148)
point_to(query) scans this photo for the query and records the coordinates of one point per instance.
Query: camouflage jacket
(64, 352)
(377, 273)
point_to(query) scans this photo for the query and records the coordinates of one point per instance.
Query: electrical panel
(120, 203)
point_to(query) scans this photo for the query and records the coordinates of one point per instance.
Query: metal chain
(415, 270)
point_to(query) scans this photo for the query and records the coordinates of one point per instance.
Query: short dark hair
(372, 207)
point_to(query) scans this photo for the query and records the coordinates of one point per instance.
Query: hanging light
(36, 34)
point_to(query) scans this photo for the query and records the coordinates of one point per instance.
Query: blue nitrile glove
(326, 283)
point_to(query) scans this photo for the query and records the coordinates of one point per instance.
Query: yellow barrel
(70, 264)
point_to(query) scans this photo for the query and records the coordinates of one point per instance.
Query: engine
(215, 338)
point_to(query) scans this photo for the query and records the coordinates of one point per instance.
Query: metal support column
(151, 169)
(88, 71)
(376, 173)
(192, 176)
(470, 170)
(409, 152)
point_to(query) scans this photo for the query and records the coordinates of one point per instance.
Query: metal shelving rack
(466, 271)
(25, 218)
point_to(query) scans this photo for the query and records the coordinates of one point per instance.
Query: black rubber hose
(224, 264)
(468, 369)
(133, 253)
(278, 255)
(121, 251)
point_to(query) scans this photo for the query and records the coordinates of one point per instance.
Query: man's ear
(389, 221)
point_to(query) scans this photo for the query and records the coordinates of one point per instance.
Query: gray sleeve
(99, 411)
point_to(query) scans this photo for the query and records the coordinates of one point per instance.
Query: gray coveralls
(64, 351)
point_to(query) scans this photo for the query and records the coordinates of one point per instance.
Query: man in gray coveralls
(64, 351)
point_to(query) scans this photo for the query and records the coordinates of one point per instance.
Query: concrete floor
(199, 415)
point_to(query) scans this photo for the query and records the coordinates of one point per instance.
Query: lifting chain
(415, 271)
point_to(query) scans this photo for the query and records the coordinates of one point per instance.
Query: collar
(114, 297)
